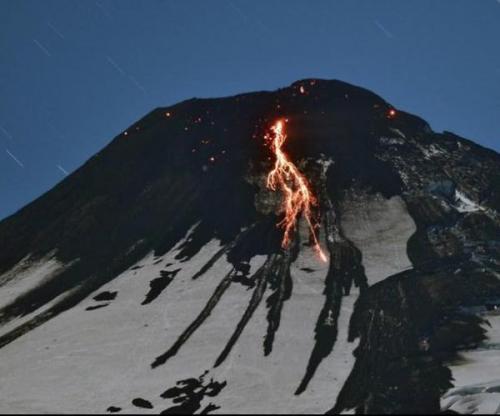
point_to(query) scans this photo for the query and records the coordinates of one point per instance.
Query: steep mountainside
(154, 279)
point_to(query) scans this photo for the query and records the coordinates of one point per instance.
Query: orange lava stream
(297, 196)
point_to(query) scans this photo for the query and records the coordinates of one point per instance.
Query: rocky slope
(153, 279)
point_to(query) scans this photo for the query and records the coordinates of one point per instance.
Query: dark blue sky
(74, 73)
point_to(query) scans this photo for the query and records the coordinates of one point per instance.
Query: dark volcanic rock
(94, 307)
(188, 395)
(159, 284)
(142, 403)
(105, 296)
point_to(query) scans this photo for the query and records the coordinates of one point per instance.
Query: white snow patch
(90, 360)
(380, 228)
(432, 151)
(325, 164)
(476, 377)
(20, 320)
(258, 384)
(391, 140)
(404, 177)
(398, 132)
(465, 204)
(27, 275)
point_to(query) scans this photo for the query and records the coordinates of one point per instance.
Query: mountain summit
(156, 278)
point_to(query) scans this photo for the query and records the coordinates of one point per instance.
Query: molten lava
(297, 196)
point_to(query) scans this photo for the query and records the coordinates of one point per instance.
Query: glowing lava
(297, 196)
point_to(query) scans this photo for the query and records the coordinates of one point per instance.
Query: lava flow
(297, 196)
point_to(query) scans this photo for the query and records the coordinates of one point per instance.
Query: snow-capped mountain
(154, 279)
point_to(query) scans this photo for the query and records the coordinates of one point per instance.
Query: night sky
(74, 73)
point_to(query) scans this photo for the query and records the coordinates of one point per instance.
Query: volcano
(155, 279)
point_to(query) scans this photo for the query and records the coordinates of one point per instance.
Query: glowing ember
(297, 196)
